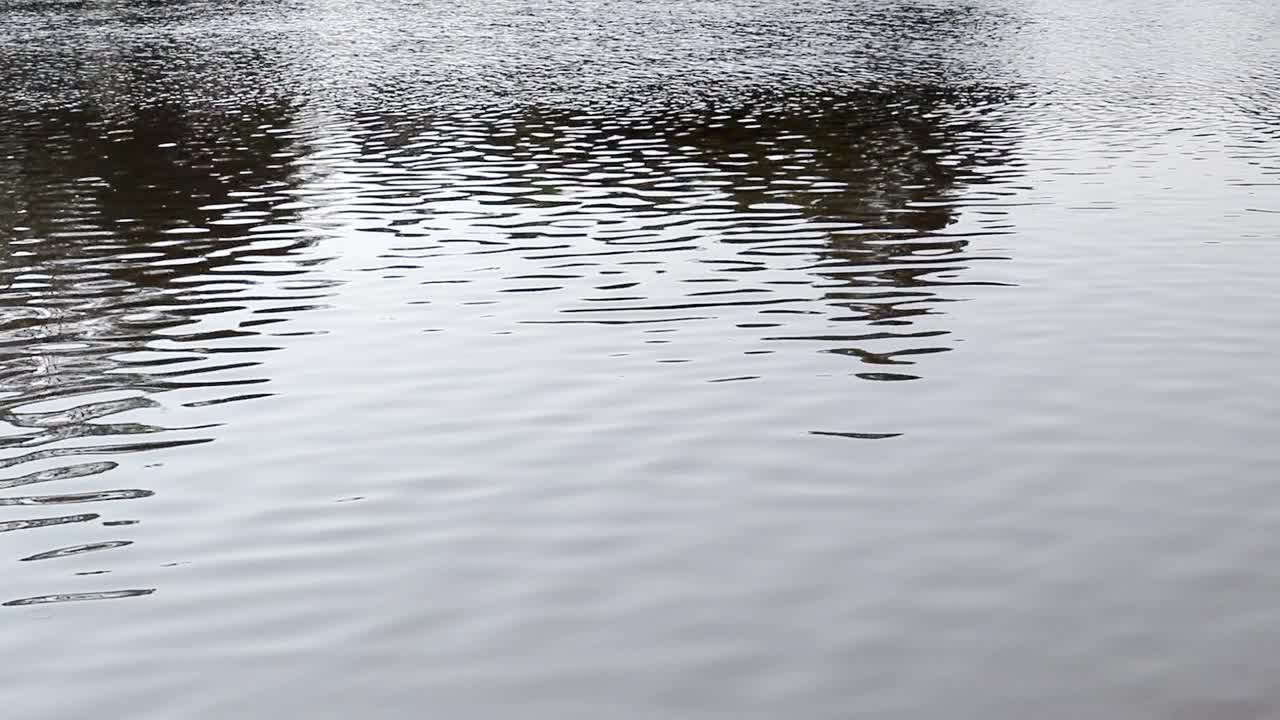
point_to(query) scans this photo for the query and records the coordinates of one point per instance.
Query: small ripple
(99, 450)
(887, 377)
(856, 435)
(78, 597)
(76, 550)
(72, 498)
(12, 525)
(60, 473)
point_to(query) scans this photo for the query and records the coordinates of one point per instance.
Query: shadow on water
(136, 247)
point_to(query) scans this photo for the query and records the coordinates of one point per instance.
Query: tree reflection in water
(130, 236)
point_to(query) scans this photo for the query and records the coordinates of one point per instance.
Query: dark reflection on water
(127, 233)
(145, 203)
(845, 203)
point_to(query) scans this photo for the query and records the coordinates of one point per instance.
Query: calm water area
(679, 359)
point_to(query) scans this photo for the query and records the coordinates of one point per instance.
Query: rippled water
(620, 359)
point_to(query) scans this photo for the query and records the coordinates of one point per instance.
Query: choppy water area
(632, 360)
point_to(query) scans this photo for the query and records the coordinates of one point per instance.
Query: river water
(622, 359)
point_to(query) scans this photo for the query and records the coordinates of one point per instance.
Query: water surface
(620, 359)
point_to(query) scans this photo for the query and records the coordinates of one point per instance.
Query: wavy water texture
(607, 358)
